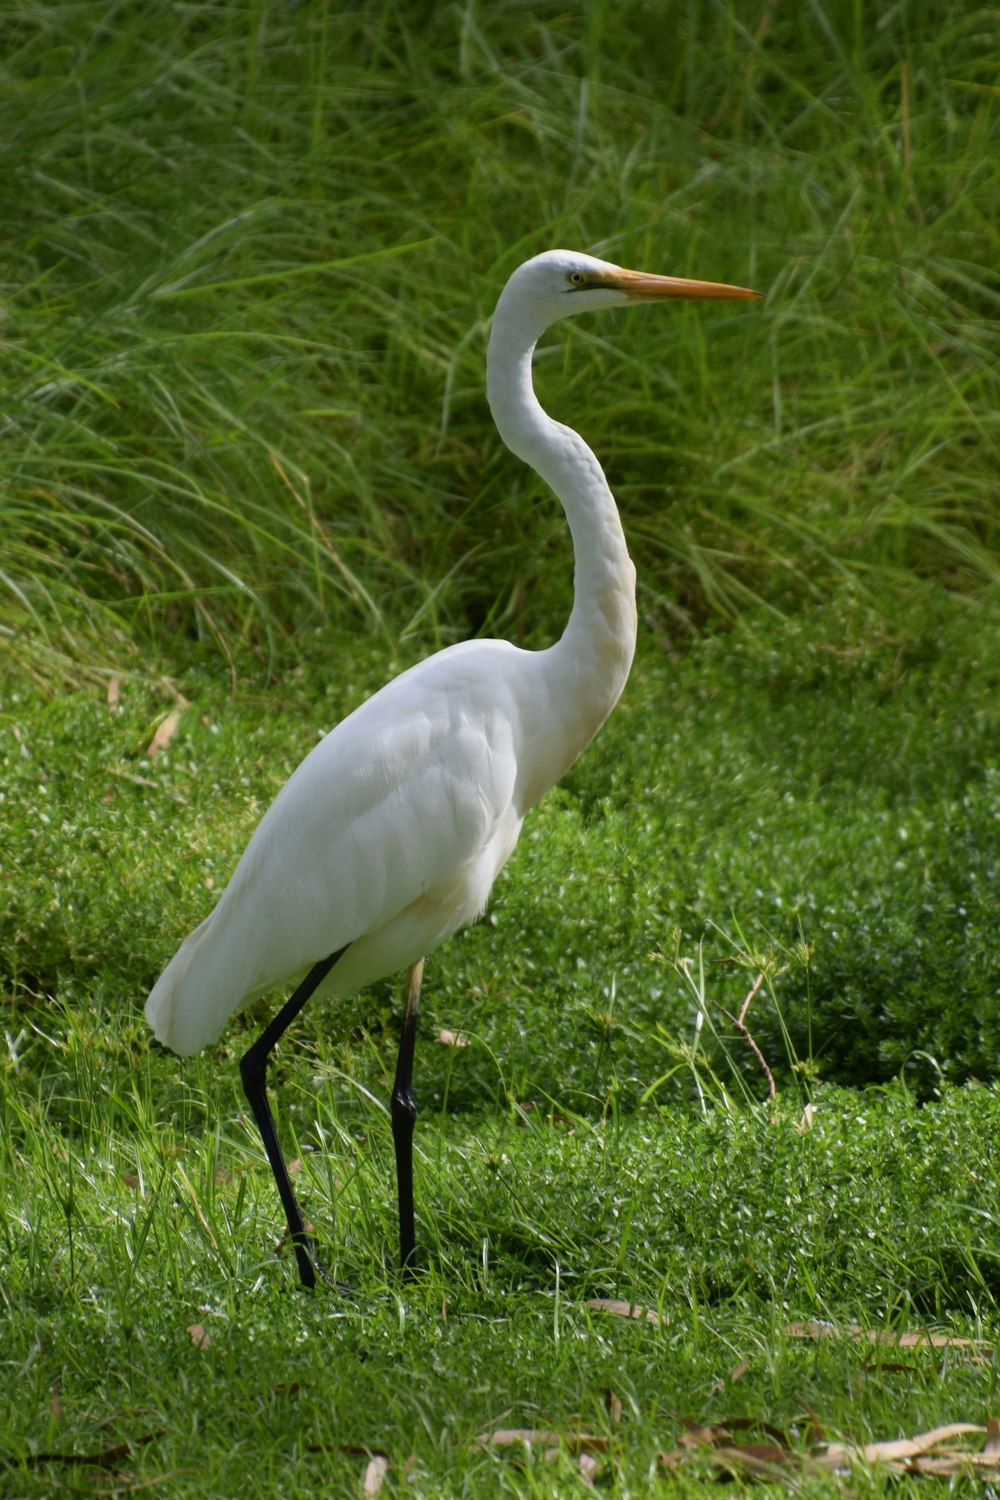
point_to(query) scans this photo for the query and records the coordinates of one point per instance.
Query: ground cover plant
(722, 1055)
(563, 1154)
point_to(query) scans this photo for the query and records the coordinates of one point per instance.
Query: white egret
(389, 835)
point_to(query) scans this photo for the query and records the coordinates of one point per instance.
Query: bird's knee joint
(253, 1070)
(404, 1106)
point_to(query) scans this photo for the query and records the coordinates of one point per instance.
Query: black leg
(253, 1071)
(404, 1113)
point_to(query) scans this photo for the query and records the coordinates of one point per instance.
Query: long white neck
(593, 658)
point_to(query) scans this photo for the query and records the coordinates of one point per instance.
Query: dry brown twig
(740, 1023)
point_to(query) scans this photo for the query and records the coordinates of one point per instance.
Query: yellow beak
(640, 286)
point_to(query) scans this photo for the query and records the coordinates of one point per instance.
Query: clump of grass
(243, 381)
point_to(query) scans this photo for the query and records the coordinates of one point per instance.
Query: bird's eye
(576, 278)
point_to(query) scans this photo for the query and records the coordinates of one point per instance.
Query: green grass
(252, 257)
(582, 1145)
(247, 472)
(732, 1229)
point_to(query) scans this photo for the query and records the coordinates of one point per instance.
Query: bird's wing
(408, 801)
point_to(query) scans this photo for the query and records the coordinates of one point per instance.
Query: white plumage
(402, 817)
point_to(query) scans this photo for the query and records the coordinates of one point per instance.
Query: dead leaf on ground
(761, 1460)
(623, 1309)
(588, 1466)
(452, 1038)
(165, 731)
(992, 1448)
(894, 1451)
(552, 1445)
(700, 1432)
(936, 1452)
(377, 1469)
(544, 1437)
(199, 1335)
(114, 691)
(919, 1339)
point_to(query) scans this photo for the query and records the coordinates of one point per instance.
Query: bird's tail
(195, 995)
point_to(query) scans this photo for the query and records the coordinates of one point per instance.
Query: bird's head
(559, 283)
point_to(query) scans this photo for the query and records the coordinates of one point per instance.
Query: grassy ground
(247, 472)
(581, 1146)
